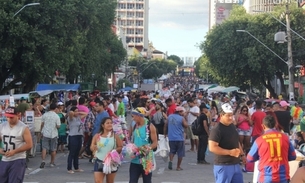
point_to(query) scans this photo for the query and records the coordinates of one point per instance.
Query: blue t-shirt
(98, 121)
(175, 127)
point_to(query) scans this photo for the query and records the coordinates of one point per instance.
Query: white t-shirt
(111, 106)
(191, 118)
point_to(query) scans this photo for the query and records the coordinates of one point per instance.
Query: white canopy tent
(216, 89)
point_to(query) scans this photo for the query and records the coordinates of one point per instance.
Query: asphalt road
(192, 172)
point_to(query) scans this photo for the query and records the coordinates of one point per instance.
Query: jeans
(75, 144)
(135, 170)
(228, 174)
(202, 147)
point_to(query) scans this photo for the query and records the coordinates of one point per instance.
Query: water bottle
(12, 101)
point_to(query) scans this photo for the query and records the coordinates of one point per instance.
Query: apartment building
(219, 10)
(132, 23)
(265, 5)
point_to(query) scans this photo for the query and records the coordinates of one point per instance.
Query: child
(62, 140)
(299, 139)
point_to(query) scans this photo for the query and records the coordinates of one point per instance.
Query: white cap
(60, 103)
(227, 108)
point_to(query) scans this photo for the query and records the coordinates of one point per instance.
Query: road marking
(35, 171)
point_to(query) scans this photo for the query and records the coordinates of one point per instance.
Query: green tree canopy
(176, 59)
(235, 58)
(72, 36)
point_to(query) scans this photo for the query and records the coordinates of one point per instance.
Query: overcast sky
(176, 26)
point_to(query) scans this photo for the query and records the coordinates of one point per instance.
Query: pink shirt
(243, 123)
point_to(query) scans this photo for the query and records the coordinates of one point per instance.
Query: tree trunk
(269, 87)
(279, 75)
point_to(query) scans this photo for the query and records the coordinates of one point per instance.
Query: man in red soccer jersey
(273, 150)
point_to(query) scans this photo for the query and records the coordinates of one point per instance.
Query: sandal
(78, 170)
(170, 165)
(179, 169)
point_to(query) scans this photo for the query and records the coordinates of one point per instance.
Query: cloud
(189, 15)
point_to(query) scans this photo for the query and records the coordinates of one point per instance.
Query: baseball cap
(140, 111)
(60, 103)
(11, 112)
(283, 103)
(178, 109)
(92, 104)
(226, 108)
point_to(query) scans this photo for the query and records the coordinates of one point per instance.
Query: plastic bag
(163, 147)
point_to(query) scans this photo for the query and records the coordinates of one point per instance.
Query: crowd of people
(237, 130)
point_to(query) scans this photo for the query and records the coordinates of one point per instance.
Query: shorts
(49, 144)
(96, 166)
(190, 134)
(12, 171)
(228, 173)
(177, 147)
(244, 132)
(62, 139)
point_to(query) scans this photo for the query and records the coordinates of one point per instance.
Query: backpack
(147, 127)
(196, 127)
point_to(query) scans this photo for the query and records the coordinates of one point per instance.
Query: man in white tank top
(17, 139)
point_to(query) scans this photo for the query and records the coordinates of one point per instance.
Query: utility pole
(290, 59)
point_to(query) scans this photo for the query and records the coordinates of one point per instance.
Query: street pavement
(191, 173)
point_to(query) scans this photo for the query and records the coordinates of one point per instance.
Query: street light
(270, 14)
(288, 63)
(30, 4)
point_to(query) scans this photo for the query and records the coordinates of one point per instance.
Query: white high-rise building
(132, 22)
(219, 10)
(264, 5)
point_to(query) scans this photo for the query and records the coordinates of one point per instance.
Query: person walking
(144, 136)
(103, 143)
(50, 123)
(224, 143)
(203, 137)
(175, 127)
(274, 150)
(75, 138)
(17, 139)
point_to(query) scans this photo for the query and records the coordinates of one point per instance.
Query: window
(139, 6)
(139, 14)
(130, 14)
(139, 39)
(130, 31)
(139, 23)
(139, 31)
(130, 6)
(122, 6)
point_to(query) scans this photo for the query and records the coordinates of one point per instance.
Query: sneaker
(52, 165)
(42, 165)
(70, 171)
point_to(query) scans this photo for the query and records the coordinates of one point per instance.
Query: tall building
(219, 10)
(265, 5)
(132, 23)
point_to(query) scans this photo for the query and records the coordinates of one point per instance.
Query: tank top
(104, 145)
(12, 138)
(139, 139)
(243, 124)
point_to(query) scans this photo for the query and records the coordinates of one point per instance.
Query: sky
(177, 26)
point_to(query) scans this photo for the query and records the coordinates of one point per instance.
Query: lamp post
(30, 4)
(289, 63)
(270, 14)
(299, 79)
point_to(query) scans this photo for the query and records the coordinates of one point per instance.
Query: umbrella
(230, 89)
(126, 89)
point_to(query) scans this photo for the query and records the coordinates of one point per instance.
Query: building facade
(265, 5)
(219, 10)
(132, 22)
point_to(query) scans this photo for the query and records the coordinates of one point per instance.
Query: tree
(237, 59)
(119, 84)
(176, 59)
(72, 36)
